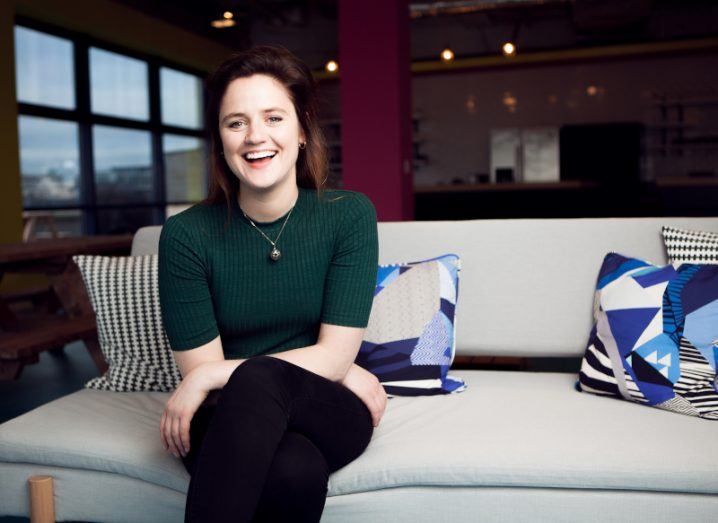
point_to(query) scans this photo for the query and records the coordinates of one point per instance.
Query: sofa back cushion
(526, 285)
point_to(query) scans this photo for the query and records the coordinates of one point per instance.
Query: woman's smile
(259, 159)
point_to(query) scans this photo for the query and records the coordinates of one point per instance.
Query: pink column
(375, 88)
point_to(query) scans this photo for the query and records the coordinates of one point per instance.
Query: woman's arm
(206, 365)
(332, 355)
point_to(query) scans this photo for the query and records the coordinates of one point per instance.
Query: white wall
(457, 136)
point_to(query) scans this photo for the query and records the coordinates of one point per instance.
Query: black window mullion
(87, 168)
(158, 160)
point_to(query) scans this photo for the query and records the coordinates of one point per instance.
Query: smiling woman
(265, 291)
(288, 104)
(261, 137)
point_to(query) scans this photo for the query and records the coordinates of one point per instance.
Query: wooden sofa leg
(42, 500)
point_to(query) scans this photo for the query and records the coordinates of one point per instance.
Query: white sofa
(515, 446)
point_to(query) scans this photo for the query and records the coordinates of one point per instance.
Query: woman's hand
(367, 387)
(179, 410)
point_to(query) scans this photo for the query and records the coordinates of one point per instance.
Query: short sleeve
(351, 278)
(185, 299)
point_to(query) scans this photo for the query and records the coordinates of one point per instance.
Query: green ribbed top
(217, 279)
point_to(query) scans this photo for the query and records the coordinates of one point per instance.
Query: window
(123, 165)
(45, 67)
(181, 96)
(49, 162)
(110, 140)
(118, 85)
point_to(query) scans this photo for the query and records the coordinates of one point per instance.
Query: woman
(265, 289)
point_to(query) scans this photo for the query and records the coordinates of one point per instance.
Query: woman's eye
(275, 119)
(236, 125)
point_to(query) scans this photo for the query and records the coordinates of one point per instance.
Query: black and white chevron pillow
(686, 246)
(125, 297)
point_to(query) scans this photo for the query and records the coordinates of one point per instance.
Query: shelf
(684, 103)
(682, 147)
(513, 186)
(686, 182)
(675, 181)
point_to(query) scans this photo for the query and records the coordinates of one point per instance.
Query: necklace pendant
(275, 254)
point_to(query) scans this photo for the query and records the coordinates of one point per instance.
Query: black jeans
(262, 448)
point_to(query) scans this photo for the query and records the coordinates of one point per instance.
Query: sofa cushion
(655, 339)
(410, 342)
(124, 295)
(687, 246)
(507, 429)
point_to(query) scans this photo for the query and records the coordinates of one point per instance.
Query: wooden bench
(23, 347)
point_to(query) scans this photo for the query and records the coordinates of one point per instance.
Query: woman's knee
(257, 375)
(299, 473)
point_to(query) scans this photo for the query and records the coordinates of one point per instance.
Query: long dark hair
(280, 64)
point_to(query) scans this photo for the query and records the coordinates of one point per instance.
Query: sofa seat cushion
(516, 429)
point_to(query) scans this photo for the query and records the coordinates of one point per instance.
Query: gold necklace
(275, 253)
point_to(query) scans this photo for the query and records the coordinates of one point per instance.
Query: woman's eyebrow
(270, 110)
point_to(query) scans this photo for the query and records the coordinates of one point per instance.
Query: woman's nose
(255, 134)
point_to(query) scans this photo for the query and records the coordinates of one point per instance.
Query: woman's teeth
(260, 155)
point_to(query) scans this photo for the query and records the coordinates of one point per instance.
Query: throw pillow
(655, 340)
(686, 246)
(409, 342)
(124, 295)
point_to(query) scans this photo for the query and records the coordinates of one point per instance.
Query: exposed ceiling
(196, 15)
(592, 21)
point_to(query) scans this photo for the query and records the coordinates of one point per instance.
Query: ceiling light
(510, 101)
(509, 49)
(227, 20)
(221, 24)
(331, 66)
(447, 55)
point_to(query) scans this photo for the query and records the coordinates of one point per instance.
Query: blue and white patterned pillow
(655, 340)
(410, 341)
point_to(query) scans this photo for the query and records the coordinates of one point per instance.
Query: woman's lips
(259, 164)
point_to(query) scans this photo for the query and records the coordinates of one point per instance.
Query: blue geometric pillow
(655, 340)
(409, 343)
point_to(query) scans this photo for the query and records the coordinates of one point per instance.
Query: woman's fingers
(170, 440)
(184, 433)
(176, 439)
(376, 410)
(380, 402)
(168, 437)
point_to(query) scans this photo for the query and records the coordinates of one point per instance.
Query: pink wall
(375, 88)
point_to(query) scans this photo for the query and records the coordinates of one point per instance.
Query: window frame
(85, 119)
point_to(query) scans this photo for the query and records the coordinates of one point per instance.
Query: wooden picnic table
(64, 314)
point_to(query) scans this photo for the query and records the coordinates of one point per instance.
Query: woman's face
(260, 132)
